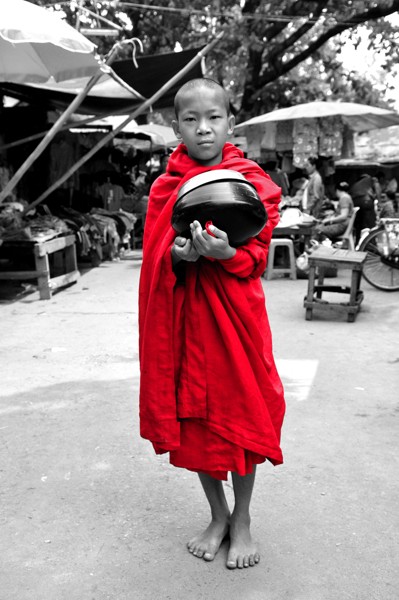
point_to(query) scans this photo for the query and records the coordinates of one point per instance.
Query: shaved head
(196, 84)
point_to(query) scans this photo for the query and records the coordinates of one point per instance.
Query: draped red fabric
(205, 342)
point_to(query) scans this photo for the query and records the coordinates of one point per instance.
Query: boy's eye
(189, 119)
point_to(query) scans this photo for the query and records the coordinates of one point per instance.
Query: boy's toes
(208, 556)
(256, 557)
(199, 553)
(246, 561)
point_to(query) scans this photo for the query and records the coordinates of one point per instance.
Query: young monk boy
(210, 394)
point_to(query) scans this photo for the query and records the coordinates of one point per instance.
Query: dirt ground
(88, 512)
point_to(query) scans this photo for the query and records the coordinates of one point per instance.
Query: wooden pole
(199, 56)
(55, 128)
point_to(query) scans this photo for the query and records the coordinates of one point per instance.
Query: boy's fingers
(180, 241)
(196, 231)
(218, 232)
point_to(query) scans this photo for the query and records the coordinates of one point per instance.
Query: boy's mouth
(205, 142)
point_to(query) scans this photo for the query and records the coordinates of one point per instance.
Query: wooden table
(63, 262)
(340, 259)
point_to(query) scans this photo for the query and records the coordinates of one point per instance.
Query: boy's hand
(208, 245)
(183, 249)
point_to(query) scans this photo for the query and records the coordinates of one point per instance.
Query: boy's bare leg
(206, 544)
(243, 551)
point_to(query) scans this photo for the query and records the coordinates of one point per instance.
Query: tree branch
(276, 71)
(299, 8)
(296, 35)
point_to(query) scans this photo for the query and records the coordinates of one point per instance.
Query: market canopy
(109, 94)
(358, 117)
(112, 95)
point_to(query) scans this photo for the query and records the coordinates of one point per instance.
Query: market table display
(296, 225)
(300, 231)
(63, 268)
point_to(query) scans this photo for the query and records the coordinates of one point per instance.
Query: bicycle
(381, 243)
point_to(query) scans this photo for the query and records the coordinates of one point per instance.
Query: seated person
(296, 196)
(386, 205)
(334, 225)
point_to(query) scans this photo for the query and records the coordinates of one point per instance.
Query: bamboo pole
(56, 127)
(199, 56)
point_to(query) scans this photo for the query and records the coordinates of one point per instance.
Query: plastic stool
(271, 269)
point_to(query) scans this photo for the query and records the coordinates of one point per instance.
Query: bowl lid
(210, 177)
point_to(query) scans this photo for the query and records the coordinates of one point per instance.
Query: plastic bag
(302, 262)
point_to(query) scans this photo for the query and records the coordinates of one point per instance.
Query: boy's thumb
(180, 241)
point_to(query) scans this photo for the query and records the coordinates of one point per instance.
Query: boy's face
(204, 125)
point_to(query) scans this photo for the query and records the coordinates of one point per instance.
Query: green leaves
(273, 53)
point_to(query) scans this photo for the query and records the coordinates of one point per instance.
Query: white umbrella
(358, 117)
(50, 48)
(36, 44)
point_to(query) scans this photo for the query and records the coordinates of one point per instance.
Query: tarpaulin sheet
(108, 95)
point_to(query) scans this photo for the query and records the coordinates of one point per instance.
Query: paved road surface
(88, 512)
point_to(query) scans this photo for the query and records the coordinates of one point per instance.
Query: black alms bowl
(224, 197)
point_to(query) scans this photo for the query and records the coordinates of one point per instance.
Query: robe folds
(210, 394)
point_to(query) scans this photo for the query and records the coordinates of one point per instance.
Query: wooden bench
(63, 263)
(319, 260)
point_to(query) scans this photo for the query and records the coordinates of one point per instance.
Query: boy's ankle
(221, 516)
(243, 517)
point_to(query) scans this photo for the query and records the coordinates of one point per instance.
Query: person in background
(163, 161)
(294, 200)
(277, 175)
(313, 198)
(364, 194)
(335, 224)
(386, 205)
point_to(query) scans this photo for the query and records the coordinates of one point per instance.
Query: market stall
(289, 136)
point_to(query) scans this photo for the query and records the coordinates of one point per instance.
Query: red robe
(210, 393)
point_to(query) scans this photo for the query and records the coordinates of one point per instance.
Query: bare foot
(243, 551)
(208, 543)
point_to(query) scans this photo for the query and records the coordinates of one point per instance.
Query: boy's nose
(203, 126)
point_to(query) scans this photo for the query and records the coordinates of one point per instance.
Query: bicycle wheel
(381, 268)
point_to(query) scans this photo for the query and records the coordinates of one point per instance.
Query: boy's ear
(175, 127)
(232, 122)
